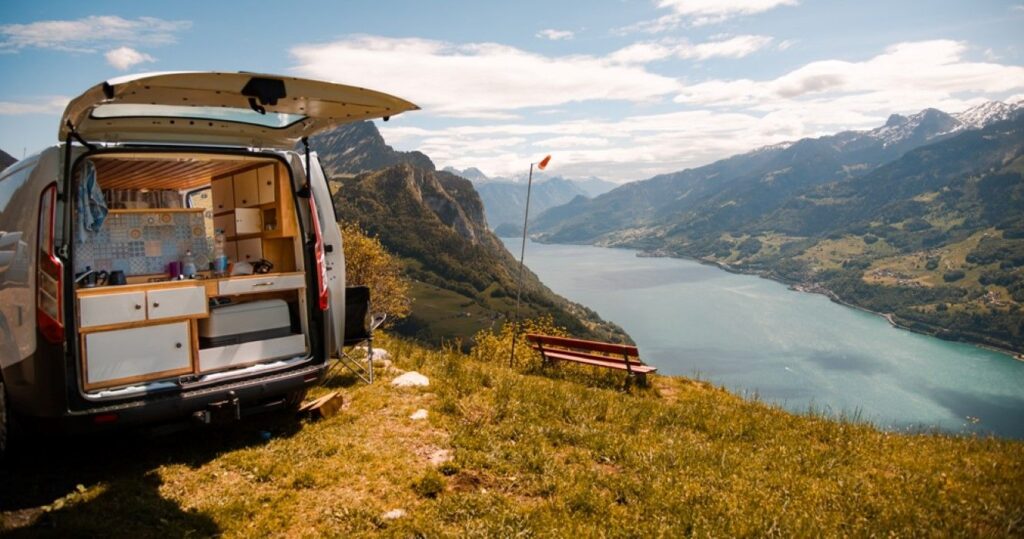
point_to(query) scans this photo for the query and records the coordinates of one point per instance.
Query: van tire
(294, 399)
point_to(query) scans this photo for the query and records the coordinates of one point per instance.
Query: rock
(440, 457)
(393, 514)
(411, 379)
(419, 414)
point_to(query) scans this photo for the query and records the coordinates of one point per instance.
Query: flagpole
(522, 255)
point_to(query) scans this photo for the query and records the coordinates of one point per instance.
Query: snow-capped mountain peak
(981, 115)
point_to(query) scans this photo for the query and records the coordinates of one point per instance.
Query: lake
(757, 338)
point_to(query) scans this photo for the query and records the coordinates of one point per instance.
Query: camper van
(176, 256)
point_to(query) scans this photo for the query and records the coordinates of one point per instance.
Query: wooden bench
(598, 354)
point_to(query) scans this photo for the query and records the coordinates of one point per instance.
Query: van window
(275, 120)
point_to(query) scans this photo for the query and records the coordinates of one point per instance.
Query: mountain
(359, 147)
(464, 278)
(472, 174)
(6, 160)
(987, 113)
(933, 238)
(505, 198)
(594, 186)
(505, 202)
(732, 193)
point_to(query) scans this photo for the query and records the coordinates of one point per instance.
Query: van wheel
(293, 400)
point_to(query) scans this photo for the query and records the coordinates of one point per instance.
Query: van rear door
(236, 109)
(334, 256)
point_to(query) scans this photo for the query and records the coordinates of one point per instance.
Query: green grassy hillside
(531, 451)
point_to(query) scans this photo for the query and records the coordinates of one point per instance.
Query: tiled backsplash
(140, 243)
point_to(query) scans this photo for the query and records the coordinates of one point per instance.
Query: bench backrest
(579, 344)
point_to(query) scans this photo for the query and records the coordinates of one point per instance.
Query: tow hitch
(224, 411)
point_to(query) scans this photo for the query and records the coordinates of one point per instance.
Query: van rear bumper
(254, 394)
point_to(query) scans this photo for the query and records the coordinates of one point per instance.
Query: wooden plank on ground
(323, 407)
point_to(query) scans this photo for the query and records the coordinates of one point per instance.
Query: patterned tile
(128, 244)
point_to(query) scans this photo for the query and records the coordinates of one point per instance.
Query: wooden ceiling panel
(178, 172)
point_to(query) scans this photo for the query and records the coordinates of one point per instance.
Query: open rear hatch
(235, 109)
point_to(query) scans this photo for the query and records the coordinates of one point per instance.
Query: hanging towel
(91, 206)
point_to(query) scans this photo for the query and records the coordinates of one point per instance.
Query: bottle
(220, 260)
(188, 265)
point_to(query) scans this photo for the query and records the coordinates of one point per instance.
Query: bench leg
(641, 379)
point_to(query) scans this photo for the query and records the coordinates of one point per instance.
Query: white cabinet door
(175, 302)
(223, 195)
(107, 309)
(247, 190)
(250, 250)
(266, 181)
(248, 221)
(226, 223)
(137, 354)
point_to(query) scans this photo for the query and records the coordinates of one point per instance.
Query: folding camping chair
(359, 326)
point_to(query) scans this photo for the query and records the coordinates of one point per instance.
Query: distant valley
(921, 218)
(505, 198)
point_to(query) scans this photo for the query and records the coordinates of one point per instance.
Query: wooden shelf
(156, 210)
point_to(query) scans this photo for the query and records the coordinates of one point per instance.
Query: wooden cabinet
(176, 302)
(226, 223)
(261, 221)
(110, 309)
(248, 221)
(141, 334)
(223, 195)
(250, 250)
(261, 283)
(267, 184)
(139, 354)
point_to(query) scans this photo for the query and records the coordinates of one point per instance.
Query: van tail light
(49, 272)
(321, 259)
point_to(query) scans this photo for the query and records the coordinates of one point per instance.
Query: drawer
(247, 353)
(261, 283)
(223, 195)
(265, 177)
(119, 308)
(250, 250)
(248, 221)
(137, 354)
(176, 302)
(226, 223)
(247, 190)
(231, 250)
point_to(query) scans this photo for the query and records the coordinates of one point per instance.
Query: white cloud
(84, 35)
(730, 47)
(474, 78)
(555, 35)
(720, 118)
(703, 12)
(125, 57)
(47, 105)
(906, 76)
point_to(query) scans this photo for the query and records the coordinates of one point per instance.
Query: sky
(617, 89)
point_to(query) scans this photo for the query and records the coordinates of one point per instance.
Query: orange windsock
(544, 163)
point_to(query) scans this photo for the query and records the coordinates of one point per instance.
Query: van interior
(187, 267)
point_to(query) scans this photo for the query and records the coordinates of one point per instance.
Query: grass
(534, 451)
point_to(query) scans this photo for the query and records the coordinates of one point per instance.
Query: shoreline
(814, 288)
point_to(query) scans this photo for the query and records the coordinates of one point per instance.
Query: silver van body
(81, 355)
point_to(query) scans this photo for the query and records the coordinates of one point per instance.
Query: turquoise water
(802, 351)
